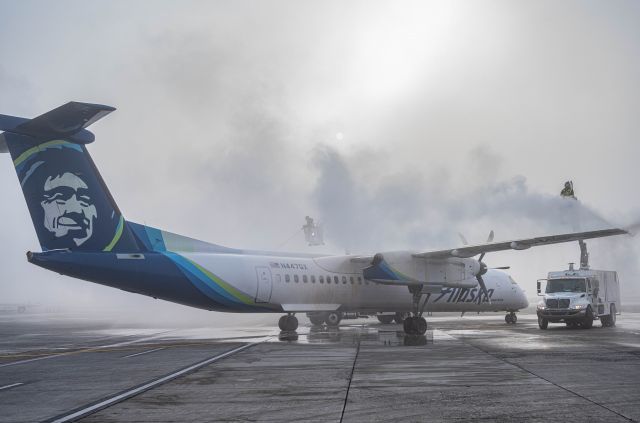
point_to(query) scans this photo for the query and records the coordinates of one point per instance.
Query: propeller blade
(490, 238)
(463, 239)
(483, 288)
(502, 267)
(481, 256)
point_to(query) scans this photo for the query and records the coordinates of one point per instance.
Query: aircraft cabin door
(263, 294)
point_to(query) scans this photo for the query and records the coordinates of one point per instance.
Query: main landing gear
(416, 324)
(511, 318)
(288, 323)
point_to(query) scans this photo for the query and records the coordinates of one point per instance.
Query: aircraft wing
(520, 244)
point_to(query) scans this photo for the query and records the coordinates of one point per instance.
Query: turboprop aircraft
(83, 234)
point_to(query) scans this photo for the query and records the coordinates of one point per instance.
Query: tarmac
(59, 367)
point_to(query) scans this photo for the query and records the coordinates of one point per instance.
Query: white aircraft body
(83, 234)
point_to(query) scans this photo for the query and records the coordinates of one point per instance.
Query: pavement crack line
(86, 410)
(543, 378)
(353, 369)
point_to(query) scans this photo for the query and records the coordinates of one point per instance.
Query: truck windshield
(565, 285)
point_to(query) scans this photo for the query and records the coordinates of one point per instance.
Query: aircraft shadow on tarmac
(325, 334)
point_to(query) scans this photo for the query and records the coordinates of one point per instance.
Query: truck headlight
(542, 307)
(579, 306)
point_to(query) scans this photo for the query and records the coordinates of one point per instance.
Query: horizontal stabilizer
(65, 122)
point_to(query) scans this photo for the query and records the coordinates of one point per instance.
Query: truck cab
(578, 297)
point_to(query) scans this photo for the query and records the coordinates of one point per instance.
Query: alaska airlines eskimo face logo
(68, 207)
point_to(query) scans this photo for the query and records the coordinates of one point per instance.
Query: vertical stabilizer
(69, 202)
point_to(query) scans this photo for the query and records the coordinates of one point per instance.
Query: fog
(396, 124)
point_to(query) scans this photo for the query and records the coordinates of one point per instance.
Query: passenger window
(313, 279)
(359, 280)
(344, 280)
(328, 279)
(321, 279)
(304, 278)
(278, 278)
(287, 278)
(295, 278)
(335, 279)
(351, 279)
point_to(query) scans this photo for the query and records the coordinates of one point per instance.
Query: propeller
(483, 270)
(483, 266)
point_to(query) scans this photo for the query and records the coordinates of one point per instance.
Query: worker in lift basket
(567, 191)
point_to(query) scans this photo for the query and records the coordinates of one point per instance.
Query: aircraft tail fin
(68, 200)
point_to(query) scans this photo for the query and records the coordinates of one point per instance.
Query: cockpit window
(565, 285)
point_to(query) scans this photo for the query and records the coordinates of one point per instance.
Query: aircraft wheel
(421, 325)
(542, 322)
(407, 325)
(333, 318)
(415, 325)
(288, 323)
(316, 319)
(385, 319)
(282, 323)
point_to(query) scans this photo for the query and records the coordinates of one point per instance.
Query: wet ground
(64, 367)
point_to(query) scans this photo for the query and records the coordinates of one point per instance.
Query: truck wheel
(587, 323)
(612, 320)
(542, 322)
(385, 319)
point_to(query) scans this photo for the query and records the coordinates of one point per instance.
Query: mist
(398, 125)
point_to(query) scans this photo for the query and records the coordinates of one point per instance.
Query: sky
(397, 124)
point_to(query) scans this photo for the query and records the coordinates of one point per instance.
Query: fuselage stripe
(213, 286)
(116, 236)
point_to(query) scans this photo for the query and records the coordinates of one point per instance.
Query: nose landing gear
(415, 325)
(511, 318)
(288, 323)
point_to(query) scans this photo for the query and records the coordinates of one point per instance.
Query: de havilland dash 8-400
(83, 234)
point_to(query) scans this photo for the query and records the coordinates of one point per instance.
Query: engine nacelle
(403, 268)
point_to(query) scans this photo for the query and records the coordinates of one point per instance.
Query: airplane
(83, 234)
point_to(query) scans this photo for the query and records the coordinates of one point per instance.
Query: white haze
(398, 124)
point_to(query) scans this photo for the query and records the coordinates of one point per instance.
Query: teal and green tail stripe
(212, 285)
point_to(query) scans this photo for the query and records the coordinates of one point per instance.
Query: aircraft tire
(543, 323)
(316, 320)
(292, 323)
(333, 319)
(288, 323)
(415, 325)
(407, 325)
(282, 323)
(421, 325)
